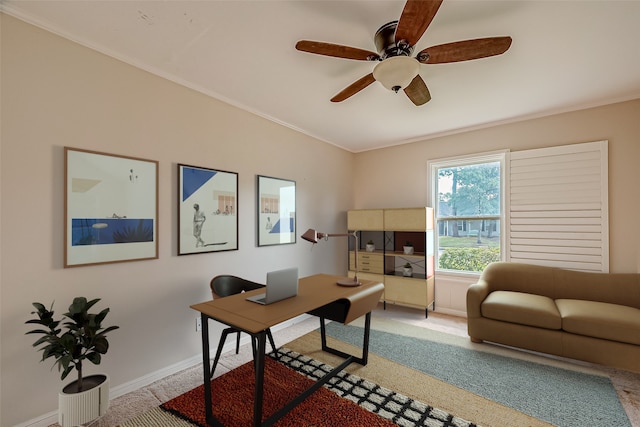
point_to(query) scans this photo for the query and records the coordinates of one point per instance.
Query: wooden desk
(318, 295)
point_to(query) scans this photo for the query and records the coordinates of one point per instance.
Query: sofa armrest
(476, 293)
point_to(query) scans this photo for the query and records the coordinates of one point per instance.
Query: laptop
(281, 284)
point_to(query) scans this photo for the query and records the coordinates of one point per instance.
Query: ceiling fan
(395, 42)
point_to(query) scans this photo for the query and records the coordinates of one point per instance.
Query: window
(467, 195)
(546, 206)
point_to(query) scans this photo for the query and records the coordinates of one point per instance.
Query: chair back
(225, 285)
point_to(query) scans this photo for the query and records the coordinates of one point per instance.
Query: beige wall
(56, 93)
(397, 176)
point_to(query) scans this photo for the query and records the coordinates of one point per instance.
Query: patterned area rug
(347, 400)
(388, 404)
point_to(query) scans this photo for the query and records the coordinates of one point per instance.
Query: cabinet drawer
(368, 262)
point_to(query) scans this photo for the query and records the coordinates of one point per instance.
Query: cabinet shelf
(402, 254)
(400, 274)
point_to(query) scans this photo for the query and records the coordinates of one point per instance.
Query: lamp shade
(397, 72)
(310, 236)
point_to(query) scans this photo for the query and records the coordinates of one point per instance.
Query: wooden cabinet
(365, 219)
(408, 219)
(406, 290)
(390, 230)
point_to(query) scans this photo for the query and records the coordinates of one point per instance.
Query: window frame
(433, 166)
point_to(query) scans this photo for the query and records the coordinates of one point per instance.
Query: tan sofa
(593, 317)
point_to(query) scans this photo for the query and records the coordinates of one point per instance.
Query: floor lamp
(313, 236)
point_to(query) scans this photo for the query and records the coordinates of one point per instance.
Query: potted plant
(408, 248)
(370, 247)
(81, 337)
(407, 270)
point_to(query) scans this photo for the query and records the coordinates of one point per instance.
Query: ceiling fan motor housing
(386, 45)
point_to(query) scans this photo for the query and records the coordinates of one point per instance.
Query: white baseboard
(41, 421)
(138, 383)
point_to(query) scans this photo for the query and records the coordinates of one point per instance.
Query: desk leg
(206, 363)
(365, 344)
(259, 367)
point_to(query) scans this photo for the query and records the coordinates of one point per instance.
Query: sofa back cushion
(613, 288)
(517, 277)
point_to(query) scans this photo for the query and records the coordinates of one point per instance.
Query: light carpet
(562, 396)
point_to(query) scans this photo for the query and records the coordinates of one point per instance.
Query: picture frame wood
(110, 208)
(207, 210)
(276, 211)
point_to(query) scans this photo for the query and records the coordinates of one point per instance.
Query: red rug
(232, 397)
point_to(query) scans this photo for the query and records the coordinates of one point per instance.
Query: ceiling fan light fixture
(397, 72)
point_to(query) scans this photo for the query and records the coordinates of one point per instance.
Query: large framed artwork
(111, 208)
(207, 210)
(276, 211)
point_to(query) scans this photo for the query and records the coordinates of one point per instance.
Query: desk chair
(224, 286)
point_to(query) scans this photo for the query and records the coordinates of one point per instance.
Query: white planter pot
(80, 408)
(407, 271)
(408, 250)
(370, 248)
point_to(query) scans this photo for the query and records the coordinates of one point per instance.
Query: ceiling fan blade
(417, 91)
(354, 88)
(416, 17)
(464, 50)
(336, 50)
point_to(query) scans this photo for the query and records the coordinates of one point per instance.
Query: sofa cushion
(522, 308)
(600, 320)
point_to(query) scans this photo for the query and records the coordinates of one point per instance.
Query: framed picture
(207, 210)
(110, 208)
(276, 211)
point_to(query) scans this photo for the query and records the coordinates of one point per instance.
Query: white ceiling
(566, 55)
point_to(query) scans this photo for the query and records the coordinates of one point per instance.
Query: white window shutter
(558, 207)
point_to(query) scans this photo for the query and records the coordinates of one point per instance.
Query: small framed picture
(207, 210)
(276, 211)
(110, 208)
